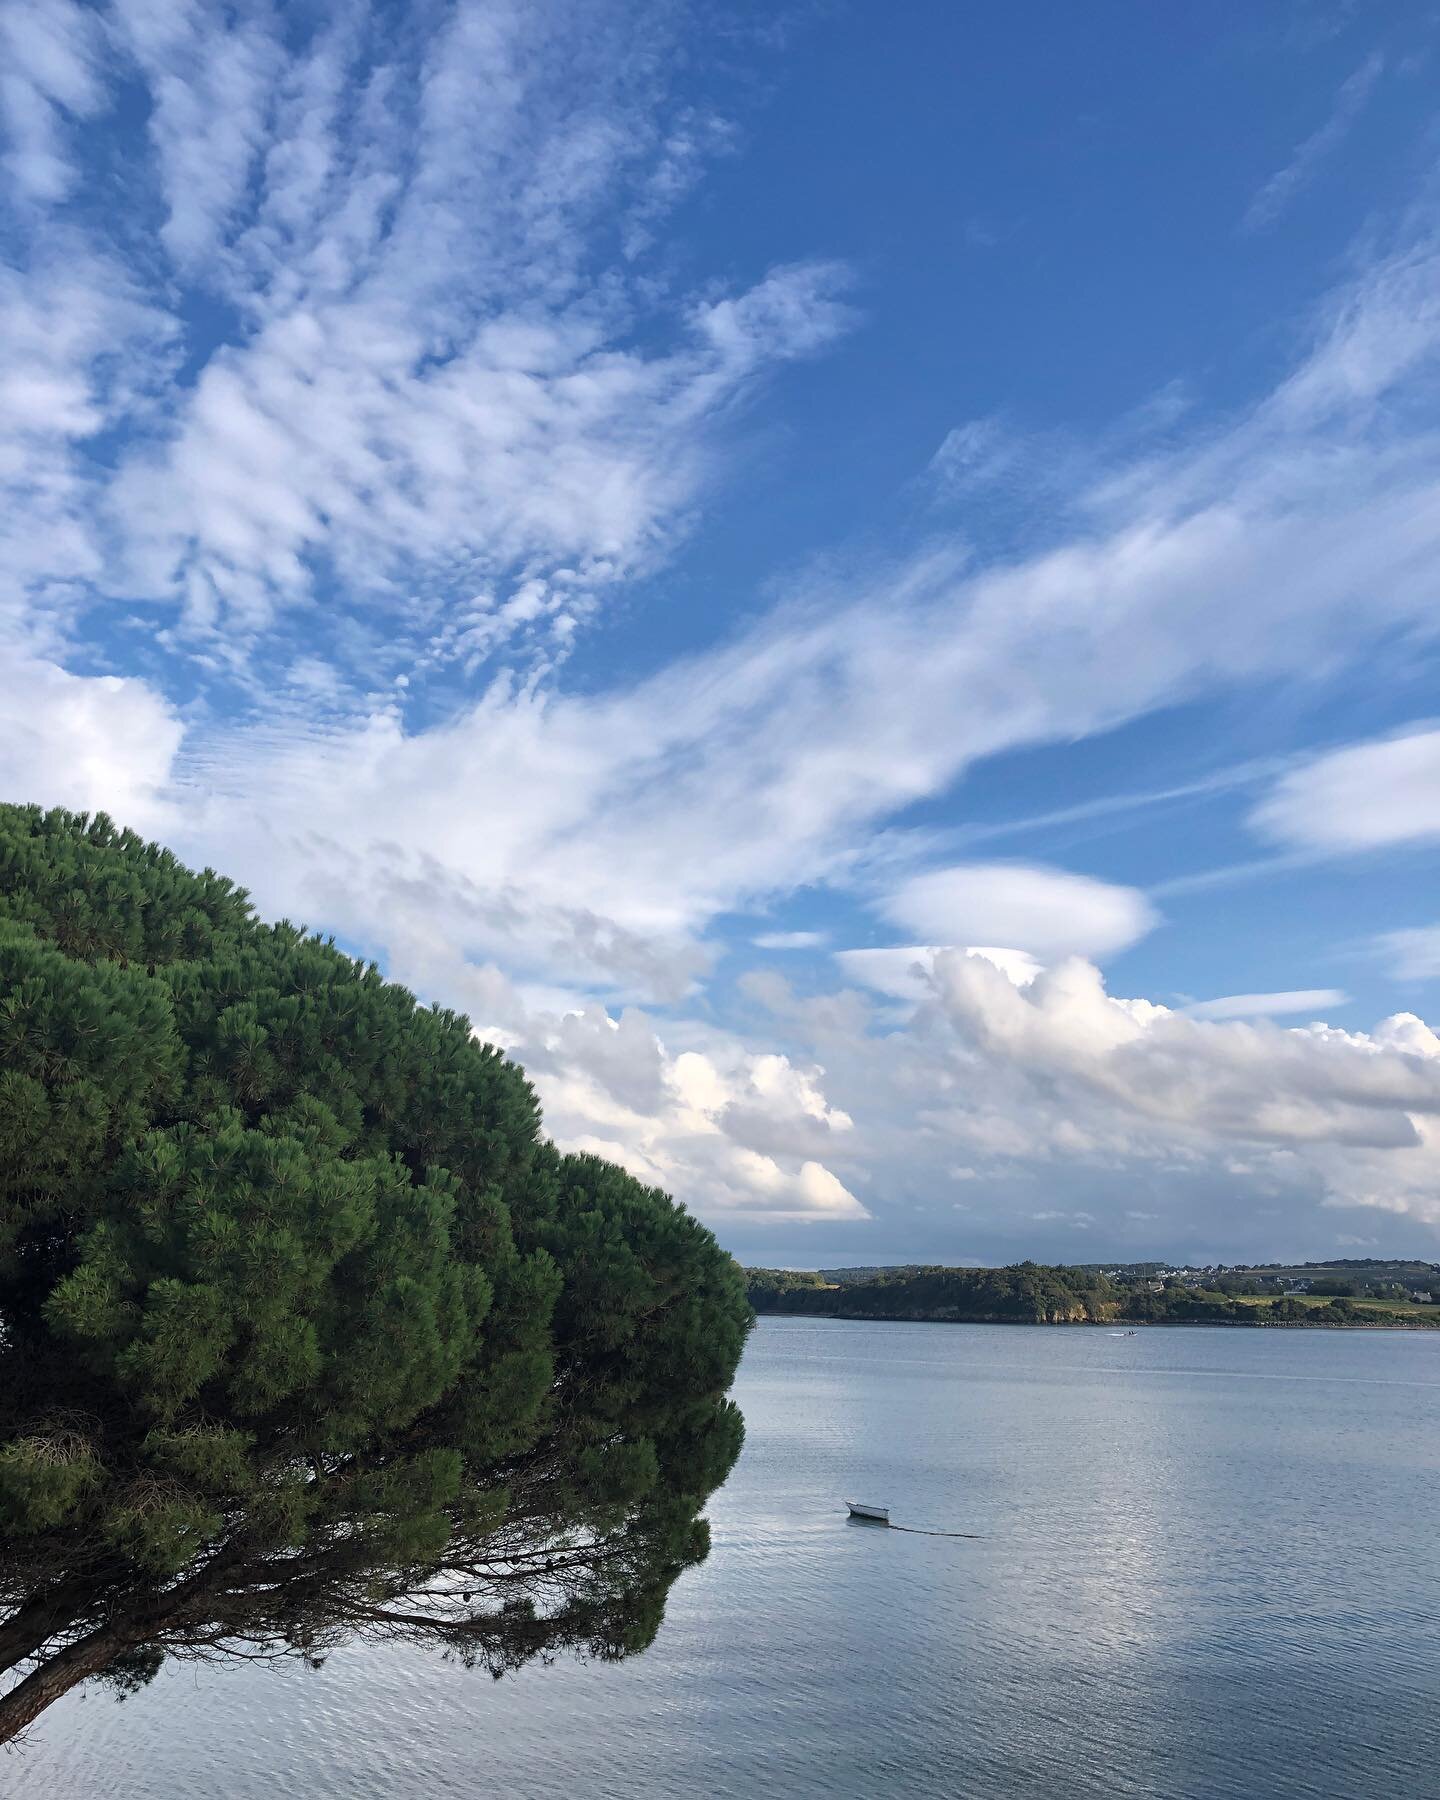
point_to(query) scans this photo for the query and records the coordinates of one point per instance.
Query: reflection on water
(1207, 1568)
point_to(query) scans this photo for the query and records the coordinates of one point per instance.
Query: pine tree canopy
(297, 1306)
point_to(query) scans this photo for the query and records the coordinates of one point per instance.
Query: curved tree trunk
(47, 1614)
(87, 1656)
(41, 1617)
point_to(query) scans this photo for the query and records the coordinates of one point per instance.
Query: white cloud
(1286, 183)
(87, 742)
(80, 346)
(590, 840)
(433, 394)
(212, 72)
(736, 1130)
(906, 971)
(1044, 912)
(1252, 1081)
(1251, 1006)
(1413, 954)
(1066, 1099)
(789, 940)
(49, 56)
(338, 442)
(1364, 797)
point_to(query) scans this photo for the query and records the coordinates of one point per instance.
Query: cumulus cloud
(742, 1131)
(1364, 797)
(1056, 1085)
(1044, 912)
(1053, 1096)
(906, 971)
(89, 742)
(1231, 1079)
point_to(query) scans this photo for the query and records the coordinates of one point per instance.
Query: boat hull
(877, 1515)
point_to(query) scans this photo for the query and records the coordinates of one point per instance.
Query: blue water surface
(1209, 1566)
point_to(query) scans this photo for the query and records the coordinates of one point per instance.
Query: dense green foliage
(289, 1280)
(869, 1272)
(1027, 1293)
(764, 1286)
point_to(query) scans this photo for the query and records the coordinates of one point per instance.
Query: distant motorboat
(877, 1515)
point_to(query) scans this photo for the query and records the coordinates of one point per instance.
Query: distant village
(1355, 1278)
(1359, 1280)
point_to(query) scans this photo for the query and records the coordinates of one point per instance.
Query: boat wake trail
(917, 1531)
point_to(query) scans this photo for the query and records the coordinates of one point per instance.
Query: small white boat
(878, 1515)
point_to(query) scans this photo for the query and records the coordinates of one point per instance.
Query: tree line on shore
(1047, 1294)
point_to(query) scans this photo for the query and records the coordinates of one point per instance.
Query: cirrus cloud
(1363, 797)
(1253, 1006)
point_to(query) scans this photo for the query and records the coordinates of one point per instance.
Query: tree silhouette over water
(305, 1331)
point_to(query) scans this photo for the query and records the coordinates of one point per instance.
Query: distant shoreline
(1112, 1325)
(1383, 1297)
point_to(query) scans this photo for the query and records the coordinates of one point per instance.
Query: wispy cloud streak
(1285, 184)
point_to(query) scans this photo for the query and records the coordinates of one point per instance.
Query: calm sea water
(1210, 1566)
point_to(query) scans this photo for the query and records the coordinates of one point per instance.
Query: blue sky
(674, 527)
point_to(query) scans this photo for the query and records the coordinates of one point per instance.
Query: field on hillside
(1314, 1300)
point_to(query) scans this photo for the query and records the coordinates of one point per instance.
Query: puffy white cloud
(1044, 912)
(1058, 1099)
(1233, 1079)
(737, 1131)
(87, 742)
(1052, 1095)
(906, 971)
(734, 1130)
(1363, 797)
